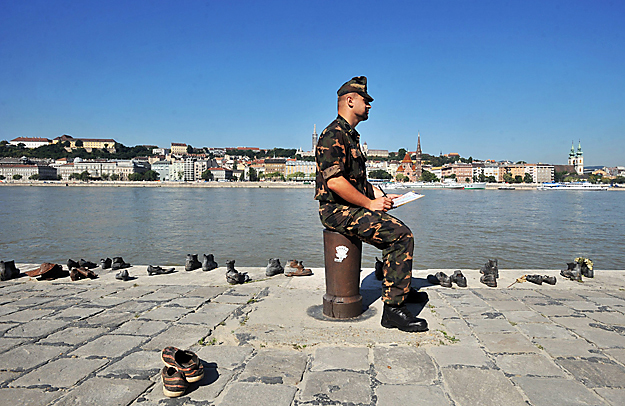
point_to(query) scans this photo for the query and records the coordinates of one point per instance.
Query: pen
(383, 192)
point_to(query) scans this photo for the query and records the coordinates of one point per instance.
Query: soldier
(350, 205)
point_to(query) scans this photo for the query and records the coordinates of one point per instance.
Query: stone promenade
(98, 342)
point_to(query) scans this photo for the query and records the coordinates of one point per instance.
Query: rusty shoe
(184, 361)
(174, 383)
(296, 268)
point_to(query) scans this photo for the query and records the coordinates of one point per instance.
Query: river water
(453, 228)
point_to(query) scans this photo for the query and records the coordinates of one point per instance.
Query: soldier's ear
(349, 100)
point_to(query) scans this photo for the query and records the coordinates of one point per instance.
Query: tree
(507, 177)
(401, 153)
(84, 176)
(180, 175)
(207, 175)
(401, 177)
(189, 149)
(79, 143)
(296, 175)
(34, 176)
(59, 177)
(619, 179)
(105, 176)
(467, 180)
(17, 176)
(491, 179)
(253, 175)
(380, 174)
(114, 177)
(528, 178)
(135, 177)
(428, 176)
(2, 177)
(481, 177)
(150, 175)
(518, 179)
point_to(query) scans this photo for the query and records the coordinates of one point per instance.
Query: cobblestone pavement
(266, 342)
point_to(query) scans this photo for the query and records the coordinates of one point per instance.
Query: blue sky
(515, 80)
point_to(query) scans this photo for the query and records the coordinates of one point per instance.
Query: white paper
(406, 198)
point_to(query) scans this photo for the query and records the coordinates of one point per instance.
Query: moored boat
(476, 185)
(571, 186)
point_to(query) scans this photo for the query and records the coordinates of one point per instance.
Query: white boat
(571, 186)
(476, 185)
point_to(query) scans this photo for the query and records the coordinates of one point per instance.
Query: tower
(418, 166)
(314, 137)
(571, 160)
(579, 159)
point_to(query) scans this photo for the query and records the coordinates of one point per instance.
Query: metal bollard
(342, 263)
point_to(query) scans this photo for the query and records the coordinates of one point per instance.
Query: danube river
(453, 228)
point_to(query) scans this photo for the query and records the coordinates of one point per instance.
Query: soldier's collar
(348, 128)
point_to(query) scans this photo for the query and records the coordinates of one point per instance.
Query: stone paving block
(350, 358)
(25, 315)
(178, 335)
(207, 292)
(337, 386)
(481, 326)
(4, 310)
(188, 302)
(610, 318)
(242, 393)
(509, 305)
(109, 318)
(36, 328)
(110, 346)
(473, 386)
(138, 365)
(595, 372)
(527, 364)
(582, 305)
(456, 327)
(141, 328)
(95, 293)
(6, 326)
(210, 314)
(610, 301)
(275, 367)
(565, 295)
(568, 348)
(616, 353)
(507, 343)
(108, 301)
(614, 396)
(404, 365)
(224, 357)
(444, 312)
(525, 294)
(8, 343)
(158, 296)
(33, 301)
(556, 392)
(133, 292)
(554, 310)
(542, 330)
(76, 312)
(61, 373)
(209, 387)
(602, 338)
(181, 290)
(30, 355)
(73, 335)
(394, 395)
(525, 316)
(165, 313)
(133, 306)
(7, 375)
(102, 391)
(493, 295)
(30, 397)
(458, 354)
(573, 323)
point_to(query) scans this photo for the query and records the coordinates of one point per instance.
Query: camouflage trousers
(384, 232)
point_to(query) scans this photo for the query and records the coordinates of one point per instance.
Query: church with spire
(576, 158)
(412, 169)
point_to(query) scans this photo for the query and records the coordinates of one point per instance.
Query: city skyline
(493, 80)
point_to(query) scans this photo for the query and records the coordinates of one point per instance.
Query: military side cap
(358, 85)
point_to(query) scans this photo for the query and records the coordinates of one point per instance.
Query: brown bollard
(342, 261)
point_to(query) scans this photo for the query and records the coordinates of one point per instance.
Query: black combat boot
(573, 272)
(119, 263)
(490, 268)
(192, 263)
(233, 276)
(208, 264)
(8, 270)
(379, 271)
(551, 280)
(86, 264)
(106, 263)
(71, 264)
(489, 280)
(459, 279)
(157, 270)
(537, 279)
(440, 278)
(400, 317)
(274, 267)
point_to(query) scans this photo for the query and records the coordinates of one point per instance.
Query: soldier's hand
(381, 204)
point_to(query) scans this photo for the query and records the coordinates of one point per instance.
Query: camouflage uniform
(338, 154)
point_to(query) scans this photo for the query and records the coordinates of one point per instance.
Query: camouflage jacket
(338, 154)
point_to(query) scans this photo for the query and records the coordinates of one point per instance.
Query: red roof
(30, 139)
